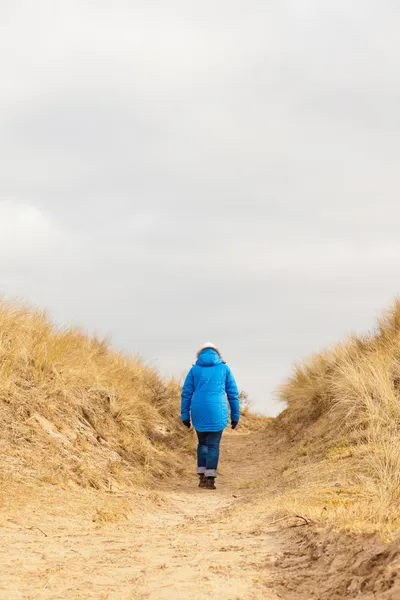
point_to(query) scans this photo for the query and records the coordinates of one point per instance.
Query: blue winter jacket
(204, 393)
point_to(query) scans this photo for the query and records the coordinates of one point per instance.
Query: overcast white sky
(177, 172)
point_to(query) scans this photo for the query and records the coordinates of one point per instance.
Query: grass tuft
(343, 425)
(75, 412)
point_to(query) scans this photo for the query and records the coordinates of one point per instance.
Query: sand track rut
(199, 544)
(194, 545)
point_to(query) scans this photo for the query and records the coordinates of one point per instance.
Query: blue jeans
(208, 452)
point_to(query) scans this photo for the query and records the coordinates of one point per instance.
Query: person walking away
(204, 403)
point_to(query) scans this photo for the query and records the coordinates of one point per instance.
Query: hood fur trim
(210, 346)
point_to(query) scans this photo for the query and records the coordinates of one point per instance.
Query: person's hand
(234, 424)
(187, 423)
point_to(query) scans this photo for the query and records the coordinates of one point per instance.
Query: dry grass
(343, 425)
(75, 413)
(251, 422)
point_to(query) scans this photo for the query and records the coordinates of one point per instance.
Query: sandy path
(205, 545)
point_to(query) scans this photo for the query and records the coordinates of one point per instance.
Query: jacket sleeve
(233, 395)
(187, 393)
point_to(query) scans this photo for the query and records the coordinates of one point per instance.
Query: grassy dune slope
(73, 412)
(342, 426)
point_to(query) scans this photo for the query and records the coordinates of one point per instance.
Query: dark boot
(202, 482)
(210, 483)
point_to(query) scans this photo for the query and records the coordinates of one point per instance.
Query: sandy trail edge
(197, 545)
(204, 545)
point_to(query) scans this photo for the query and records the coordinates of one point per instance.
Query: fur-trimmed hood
(210, 346)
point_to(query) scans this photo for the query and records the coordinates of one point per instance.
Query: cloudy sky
(177, 172)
